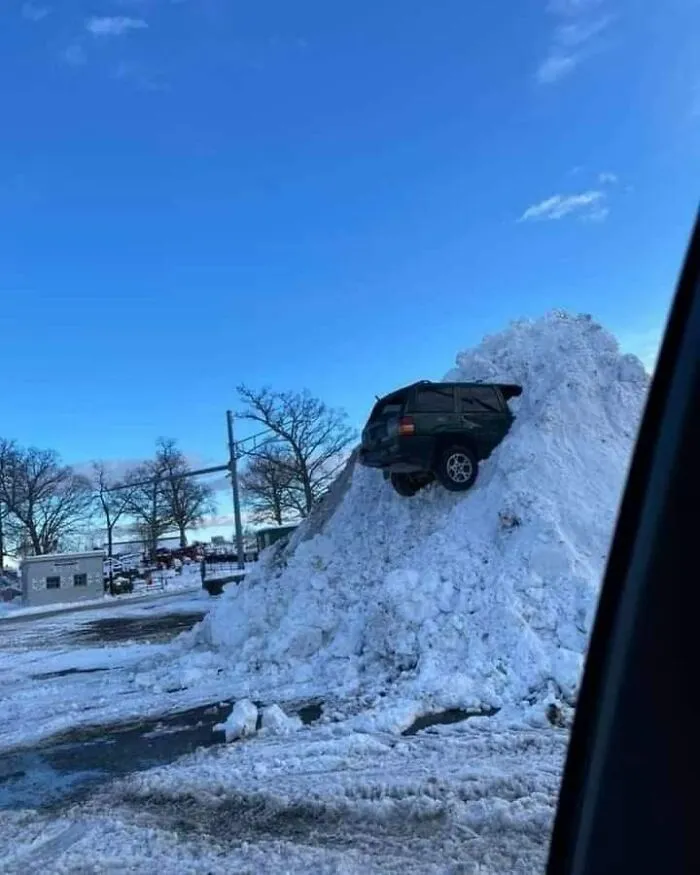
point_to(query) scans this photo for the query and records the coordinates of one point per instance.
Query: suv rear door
(383, 420)
(483, 413)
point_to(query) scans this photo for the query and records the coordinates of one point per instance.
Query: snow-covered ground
(332, 800)
(75, 669)
(381, 610)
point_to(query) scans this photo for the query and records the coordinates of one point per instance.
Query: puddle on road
(71, 764)
(75, 763)
(310, 713)
(445, 718)
(116, 629)
(64, 673)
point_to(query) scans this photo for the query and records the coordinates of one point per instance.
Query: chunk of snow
(478, 600)
(276, 722)
(241, 722)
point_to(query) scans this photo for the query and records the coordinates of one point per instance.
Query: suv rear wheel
(457, 468)
(404, 484)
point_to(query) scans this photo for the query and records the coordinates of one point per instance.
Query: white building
(63, 577)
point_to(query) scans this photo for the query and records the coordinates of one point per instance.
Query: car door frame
(625, 801)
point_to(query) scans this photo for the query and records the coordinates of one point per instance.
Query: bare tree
(2, 537)
(148, 504)
(189, 501)
(47, 502)
(113, 503)
(6, 450)
(314, 437)
(270, 486)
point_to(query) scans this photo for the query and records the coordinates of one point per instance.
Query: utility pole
(111, 575)
(233, 469)
(153, 534)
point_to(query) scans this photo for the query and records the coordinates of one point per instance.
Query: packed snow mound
(276, 722)
(477, 600)
(241, 722)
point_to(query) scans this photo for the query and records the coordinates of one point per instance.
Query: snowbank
(276, 722)
(241, 722)
(477, 601)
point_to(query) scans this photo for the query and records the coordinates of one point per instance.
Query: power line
(235, 454)
(237, 449)
(158, 477)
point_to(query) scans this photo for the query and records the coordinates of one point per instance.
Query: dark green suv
(440, 431)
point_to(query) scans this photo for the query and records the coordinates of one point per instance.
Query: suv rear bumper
(405, 454)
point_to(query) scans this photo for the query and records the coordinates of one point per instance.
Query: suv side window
(479, 398)
(434, 400)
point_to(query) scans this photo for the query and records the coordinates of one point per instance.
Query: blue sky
(333, 196)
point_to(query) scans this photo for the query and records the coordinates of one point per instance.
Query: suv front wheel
(457, 468)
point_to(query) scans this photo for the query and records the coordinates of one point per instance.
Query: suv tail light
(407, 425)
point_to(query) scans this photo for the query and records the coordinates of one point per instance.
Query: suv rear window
(479, 398)
(434, 400)
(391, 406)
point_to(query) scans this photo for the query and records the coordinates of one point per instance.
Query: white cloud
(607, 178)
(555, 67)
(577, 33)
(34, 12)
(587, 205)
(597, 214)
(139, 76)
(572, 7)
(74, 55)
(114, 25)
(572, 39)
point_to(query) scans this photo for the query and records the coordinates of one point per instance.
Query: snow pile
(244, 720)
(276, 722)
(241, 722)
(482, 600)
